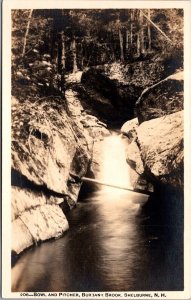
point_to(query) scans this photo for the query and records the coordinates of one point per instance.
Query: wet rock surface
(48, 152)
(134, 158)
(129, 129)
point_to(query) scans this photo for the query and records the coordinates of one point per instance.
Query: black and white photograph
(97, 174)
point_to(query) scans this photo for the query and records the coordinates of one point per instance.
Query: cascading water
(114, 169)
(108, 247)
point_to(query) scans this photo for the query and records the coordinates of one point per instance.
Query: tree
(47, 44)
(27, 31)
(149, 30)
(142, 45)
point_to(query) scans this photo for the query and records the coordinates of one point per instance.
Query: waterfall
(114, 168)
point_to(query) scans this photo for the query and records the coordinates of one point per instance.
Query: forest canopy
(48, 44)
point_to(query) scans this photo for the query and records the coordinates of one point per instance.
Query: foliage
(61, 41)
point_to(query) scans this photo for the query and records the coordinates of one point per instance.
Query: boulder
(113, 89)
(134, 158)
(163, 98)
(35, 218)
(95, 103)
(137, 171)
(96, 79)
(50, 153)
(48, 148)
(139, 182)
(116, 96)
(129, 129)
(160, 142)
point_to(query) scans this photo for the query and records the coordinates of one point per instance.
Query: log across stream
(113, 244)
(92, 180)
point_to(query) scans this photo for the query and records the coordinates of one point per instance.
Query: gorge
(119, 122)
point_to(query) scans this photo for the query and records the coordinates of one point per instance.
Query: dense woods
(48, 44)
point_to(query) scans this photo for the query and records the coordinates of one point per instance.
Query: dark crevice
(39, 135)
(19, 180)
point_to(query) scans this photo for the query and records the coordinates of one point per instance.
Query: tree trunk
(81, 56)
(61, 61)
(149, 31)
(26, 33)
(142, 46)
(127, 44)
(74, 54)
(53, 41)
(162, 32)
(63, 55)
(131, 29)
(127, 40)
(82, 63)
(121, 45)
(138, 45)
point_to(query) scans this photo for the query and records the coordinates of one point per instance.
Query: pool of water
(117, 241)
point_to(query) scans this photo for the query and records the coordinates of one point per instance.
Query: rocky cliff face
(116, 99)
(114, 89)
(157, 151)
(36, 217)
(165, 97)
(156, 145)
(48, 148)
(51, 150)
(161, 146)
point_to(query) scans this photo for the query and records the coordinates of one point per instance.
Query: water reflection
(119, 239)
(112, 245)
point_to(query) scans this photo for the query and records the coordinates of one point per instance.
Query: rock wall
(160, 142)
(156, 150)
(112, 98)
(35, 218)
(138, 177)
(129, 129)
(48, 148)
(113, 89)
(52, 141)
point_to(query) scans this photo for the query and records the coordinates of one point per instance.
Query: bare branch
(162, 32)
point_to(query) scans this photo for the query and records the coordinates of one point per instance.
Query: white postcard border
(6, 136)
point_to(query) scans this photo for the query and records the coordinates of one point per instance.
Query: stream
(116, 241)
